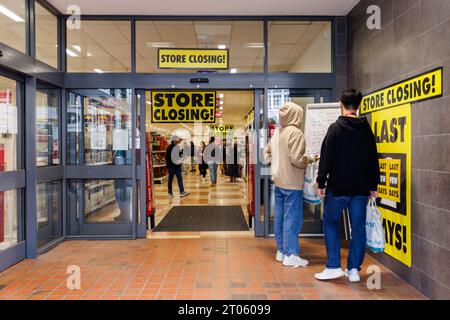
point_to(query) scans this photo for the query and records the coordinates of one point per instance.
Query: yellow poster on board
(203, 59)
(183, 106)
(418, 88)
(392, 129)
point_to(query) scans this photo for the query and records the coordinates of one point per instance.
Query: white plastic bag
(309, 191)
(374, 227)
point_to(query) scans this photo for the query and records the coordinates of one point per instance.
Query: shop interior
(234, 120)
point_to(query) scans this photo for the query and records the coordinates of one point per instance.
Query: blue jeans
(333, 208)
(213, 172)
(176, 172)
(288, 220)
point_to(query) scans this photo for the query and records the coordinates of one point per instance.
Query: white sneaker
(330, 274)
(280, 256)
(184, 194)
(294, 261)
(353, 275)
(170, 196)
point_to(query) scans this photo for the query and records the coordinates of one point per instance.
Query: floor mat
(203, 218)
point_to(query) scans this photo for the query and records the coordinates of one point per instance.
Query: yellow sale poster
(392, 129)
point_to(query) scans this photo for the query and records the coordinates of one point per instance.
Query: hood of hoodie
(291, 114)
(358, 127)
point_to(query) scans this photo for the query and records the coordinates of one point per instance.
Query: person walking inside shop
(202, 167)
(286, 152)
(174, 159)
(212, 161)
(193, 153)
(348, 174)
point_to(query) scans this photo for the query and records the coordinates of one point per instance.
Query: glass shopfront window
(99, 127)
(244, 39)
(46, 36)
(300, 46)
(12, 24)
(49, 218)
(97, 202)
(8, 124)
(8, 219)
(47, 127)
(99, 46)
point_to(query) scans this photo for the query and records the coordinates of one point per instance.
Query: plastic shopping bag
(374, 228)
(309, 191)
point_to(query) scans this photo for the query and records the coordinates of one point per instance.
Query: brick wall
(415, 37)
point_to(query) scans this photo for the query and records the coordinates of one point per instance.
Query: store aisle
(201, 194)
(218, 268)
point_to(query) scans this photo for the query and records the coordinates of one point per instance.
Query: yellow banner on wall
(392, 129)
(203, 59)
(422, 87)
(183, 106)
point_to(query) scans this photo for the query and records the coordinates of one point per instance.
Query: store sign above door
(183, 106)
(197, 59)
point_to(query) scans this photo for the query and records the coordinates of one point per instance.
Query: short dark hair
(212, 139)
(351, 99)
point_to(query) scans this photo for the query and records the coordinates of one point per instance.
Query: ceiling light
(222, 46)
(10, 14)
(71, 53)
(221, 96)
(233, 70)
(89, 54)
(160, 44)
(221, 102)
(254, 45)
(77, 47)
(220, 108)
(99, 71)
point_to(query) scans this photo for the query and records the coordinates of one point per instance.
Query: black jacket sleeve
(327, 154)
(374, 165)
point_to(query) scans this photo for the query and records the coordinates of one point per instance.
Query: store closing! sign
(221, 130)
(203, 59)
(418, 88)
(183, 107)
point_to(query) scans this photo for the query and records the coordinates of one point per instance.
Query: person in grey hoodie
(286, 152)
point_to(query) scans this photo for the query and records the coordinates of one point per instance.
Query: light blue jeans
(213, 172)
(288, 220)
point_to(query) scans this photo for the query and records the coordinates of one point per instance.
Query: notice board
(319, 117)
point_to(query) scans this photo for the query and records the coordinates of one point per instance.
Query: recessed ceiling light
(221, 102)
(89, 54)
(160, 44)
(77, 47)
(221, 96)
(71, 53)
(99, 71)
(233, 70)
(222, 46)
(10, 14)
(254, 45)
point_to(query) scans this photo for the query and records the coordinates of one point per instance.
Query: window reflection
(12, 24)
(8, 124)
(46, 36)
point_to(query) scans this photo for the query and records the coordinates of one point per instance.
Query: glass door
(312, 214)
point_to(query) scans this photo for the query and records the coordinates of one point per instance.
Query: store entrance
(215, 191)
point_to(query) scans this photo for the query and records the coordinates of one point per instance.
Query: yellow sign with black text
(392, 129)
(221, 129)
(183, 106)
(422, 87)
(198, 59)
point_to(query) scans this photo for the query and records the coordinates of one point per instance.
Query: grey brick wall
(415, 37)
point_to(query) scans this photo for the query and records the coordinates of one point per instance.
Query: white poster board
(319, 116)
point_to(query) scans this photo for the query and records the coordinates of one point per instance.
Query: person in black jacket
(174, 157)
(348, 174)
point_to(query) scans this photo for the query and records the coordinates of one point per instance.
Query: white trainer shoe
(353, 275)
(294, 261)
(280, 256)
(330, 274)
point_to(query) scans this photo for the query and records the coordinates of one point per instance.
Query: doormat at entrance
(203, 218)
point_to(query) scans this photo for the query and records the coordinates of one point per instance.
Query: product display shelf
(98, 195)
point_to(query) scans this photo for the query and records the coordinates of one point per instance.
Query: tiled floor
(215, 268)
(189, 265)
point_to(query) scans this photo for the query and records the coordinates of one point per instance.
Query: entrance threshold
(200, 235)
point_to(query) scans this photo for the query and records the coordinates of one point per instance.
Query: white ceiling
(209, 7)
